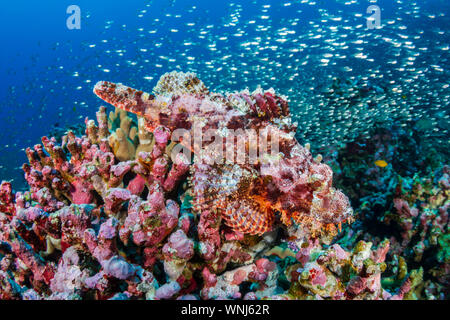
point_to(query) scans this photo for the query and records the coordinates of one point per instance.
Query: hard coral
(246, 195)
(406, 201)
(116, 216)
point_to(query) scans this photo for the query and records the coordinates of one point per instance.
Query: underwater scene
(225, 150)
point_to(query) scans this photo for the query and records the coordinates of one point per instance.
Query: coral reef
(117, 214)
(129, 138)
(246, 195)
(405, 201)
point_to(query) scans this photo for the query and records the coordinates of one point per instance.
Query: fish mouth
(123, 97)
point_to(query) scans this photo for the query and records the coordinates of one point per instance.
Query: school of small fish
(342, 78)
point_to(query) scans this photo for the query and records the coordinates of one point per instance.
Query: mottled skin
(250, 197)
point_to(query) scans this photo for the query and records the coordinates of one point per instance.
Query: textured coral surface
(113, 214)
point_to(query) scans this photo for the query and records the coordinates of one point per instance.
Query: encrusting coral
(115, 214)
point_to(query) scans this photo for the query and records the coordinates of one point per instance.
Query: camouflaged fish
(251, 196)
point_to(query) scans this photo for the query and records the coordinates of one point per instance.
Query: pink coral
(299, 187)
(154, 226)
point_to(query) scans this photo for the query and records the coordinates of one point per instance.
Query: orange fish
(381, 163)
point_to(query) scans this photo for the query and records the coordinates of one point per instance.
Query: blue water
(47, 72)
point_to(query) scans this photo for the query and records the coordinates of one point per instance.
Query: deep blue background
(36, 93)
